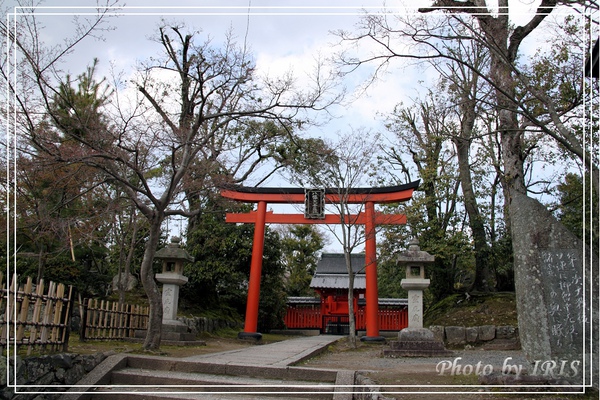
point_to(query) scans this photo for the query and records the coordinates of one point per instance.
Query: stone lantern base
(416, 342)
(176, 331)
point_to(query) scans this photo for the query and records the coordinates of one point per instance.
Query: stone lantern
(173, 258)
(415, 260)
(415, 341)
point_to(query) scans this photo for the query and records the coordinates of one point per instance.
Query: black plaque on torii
(314, 203)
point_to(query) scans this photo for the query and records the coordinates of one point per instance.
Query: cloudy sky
(281, 34)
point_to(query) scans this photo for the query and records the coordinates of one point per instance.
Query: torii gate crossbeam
(367, 196)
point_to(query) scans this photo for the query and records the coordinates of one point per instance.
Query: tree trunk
(468, 106)
(482, 273)
(41, 262)
(351, 318)
(153, 335)
(129, 259)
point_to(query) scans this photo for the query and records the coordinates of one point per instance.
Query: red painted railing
(311, 318)
(303, 318)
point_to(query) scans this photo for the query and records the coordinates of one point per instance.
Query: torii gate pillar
(251, 321)
(372, 295)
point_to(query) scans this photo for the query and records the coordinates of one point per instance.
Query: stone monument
(415, 341)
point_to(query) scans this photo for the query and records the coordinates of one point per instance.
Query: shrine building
(329, 312)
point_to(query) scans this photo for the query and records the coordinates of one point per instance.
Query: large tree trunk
(462, 142)
(482, 273)
(153, 334)
(548, 259)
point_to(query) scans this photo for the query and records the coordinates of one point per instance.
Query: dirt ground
(417, 378)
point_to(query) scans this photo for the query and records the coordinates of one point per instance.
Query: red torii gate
(370, 218)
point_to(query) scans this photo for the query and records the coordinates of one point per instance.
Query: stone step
(157, 395)
(144, 382)
(207, 367)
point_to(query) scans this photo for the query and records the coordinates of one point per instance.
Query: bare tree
(339, 167)
(187, 98)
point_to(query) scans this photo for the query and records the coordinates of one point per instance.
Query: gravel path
(436, 378)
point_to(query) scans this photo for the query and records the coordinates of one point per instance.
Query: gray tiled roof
(332, 273)
(336, 264)
(337, 281)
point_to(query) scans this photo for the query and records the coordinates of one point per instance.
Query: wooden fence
(35, 315)
(39, 315)
(103, 320)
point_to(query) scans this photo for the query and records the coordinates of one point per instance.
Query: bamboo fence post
(97, 318)
(22, 322)
(90, 317)
(129, 320)
(122, 316)
(59, 303)
(48, 313)
(113, 320)
(39, 294)
(65, 318)
(105, 315)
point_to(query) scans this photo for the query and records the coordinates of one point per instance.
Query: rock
(438, 332)
(487, 332)
(73, 375)
(19, 365)
(60, 374)
(62, 360)
(3, 372)
(505, 332)
(551, 272)
(7, 394)
(502, 344)
(415, 335)
(46, 379)
(455, 335)
(471, 334)
(128, 280)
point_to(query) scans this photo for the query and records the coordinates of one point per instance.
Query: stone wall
(210, 325)
(457, 336)
(61, 370)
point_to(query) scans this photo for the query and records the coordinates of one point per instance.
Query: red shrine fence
(307, 317)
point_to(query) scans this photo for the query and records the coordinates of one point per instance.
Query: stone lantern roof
(172, 251)
(415, 254)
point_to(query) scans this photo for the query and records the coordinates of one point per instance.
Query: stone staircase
(149, 378)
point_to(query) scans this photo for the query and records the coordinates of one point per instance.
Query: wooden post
(251, 320)
(36, 315)
(66, 319)
(24, 309)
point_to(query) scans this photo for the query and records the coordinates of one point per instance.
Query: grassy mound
(473, 310)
